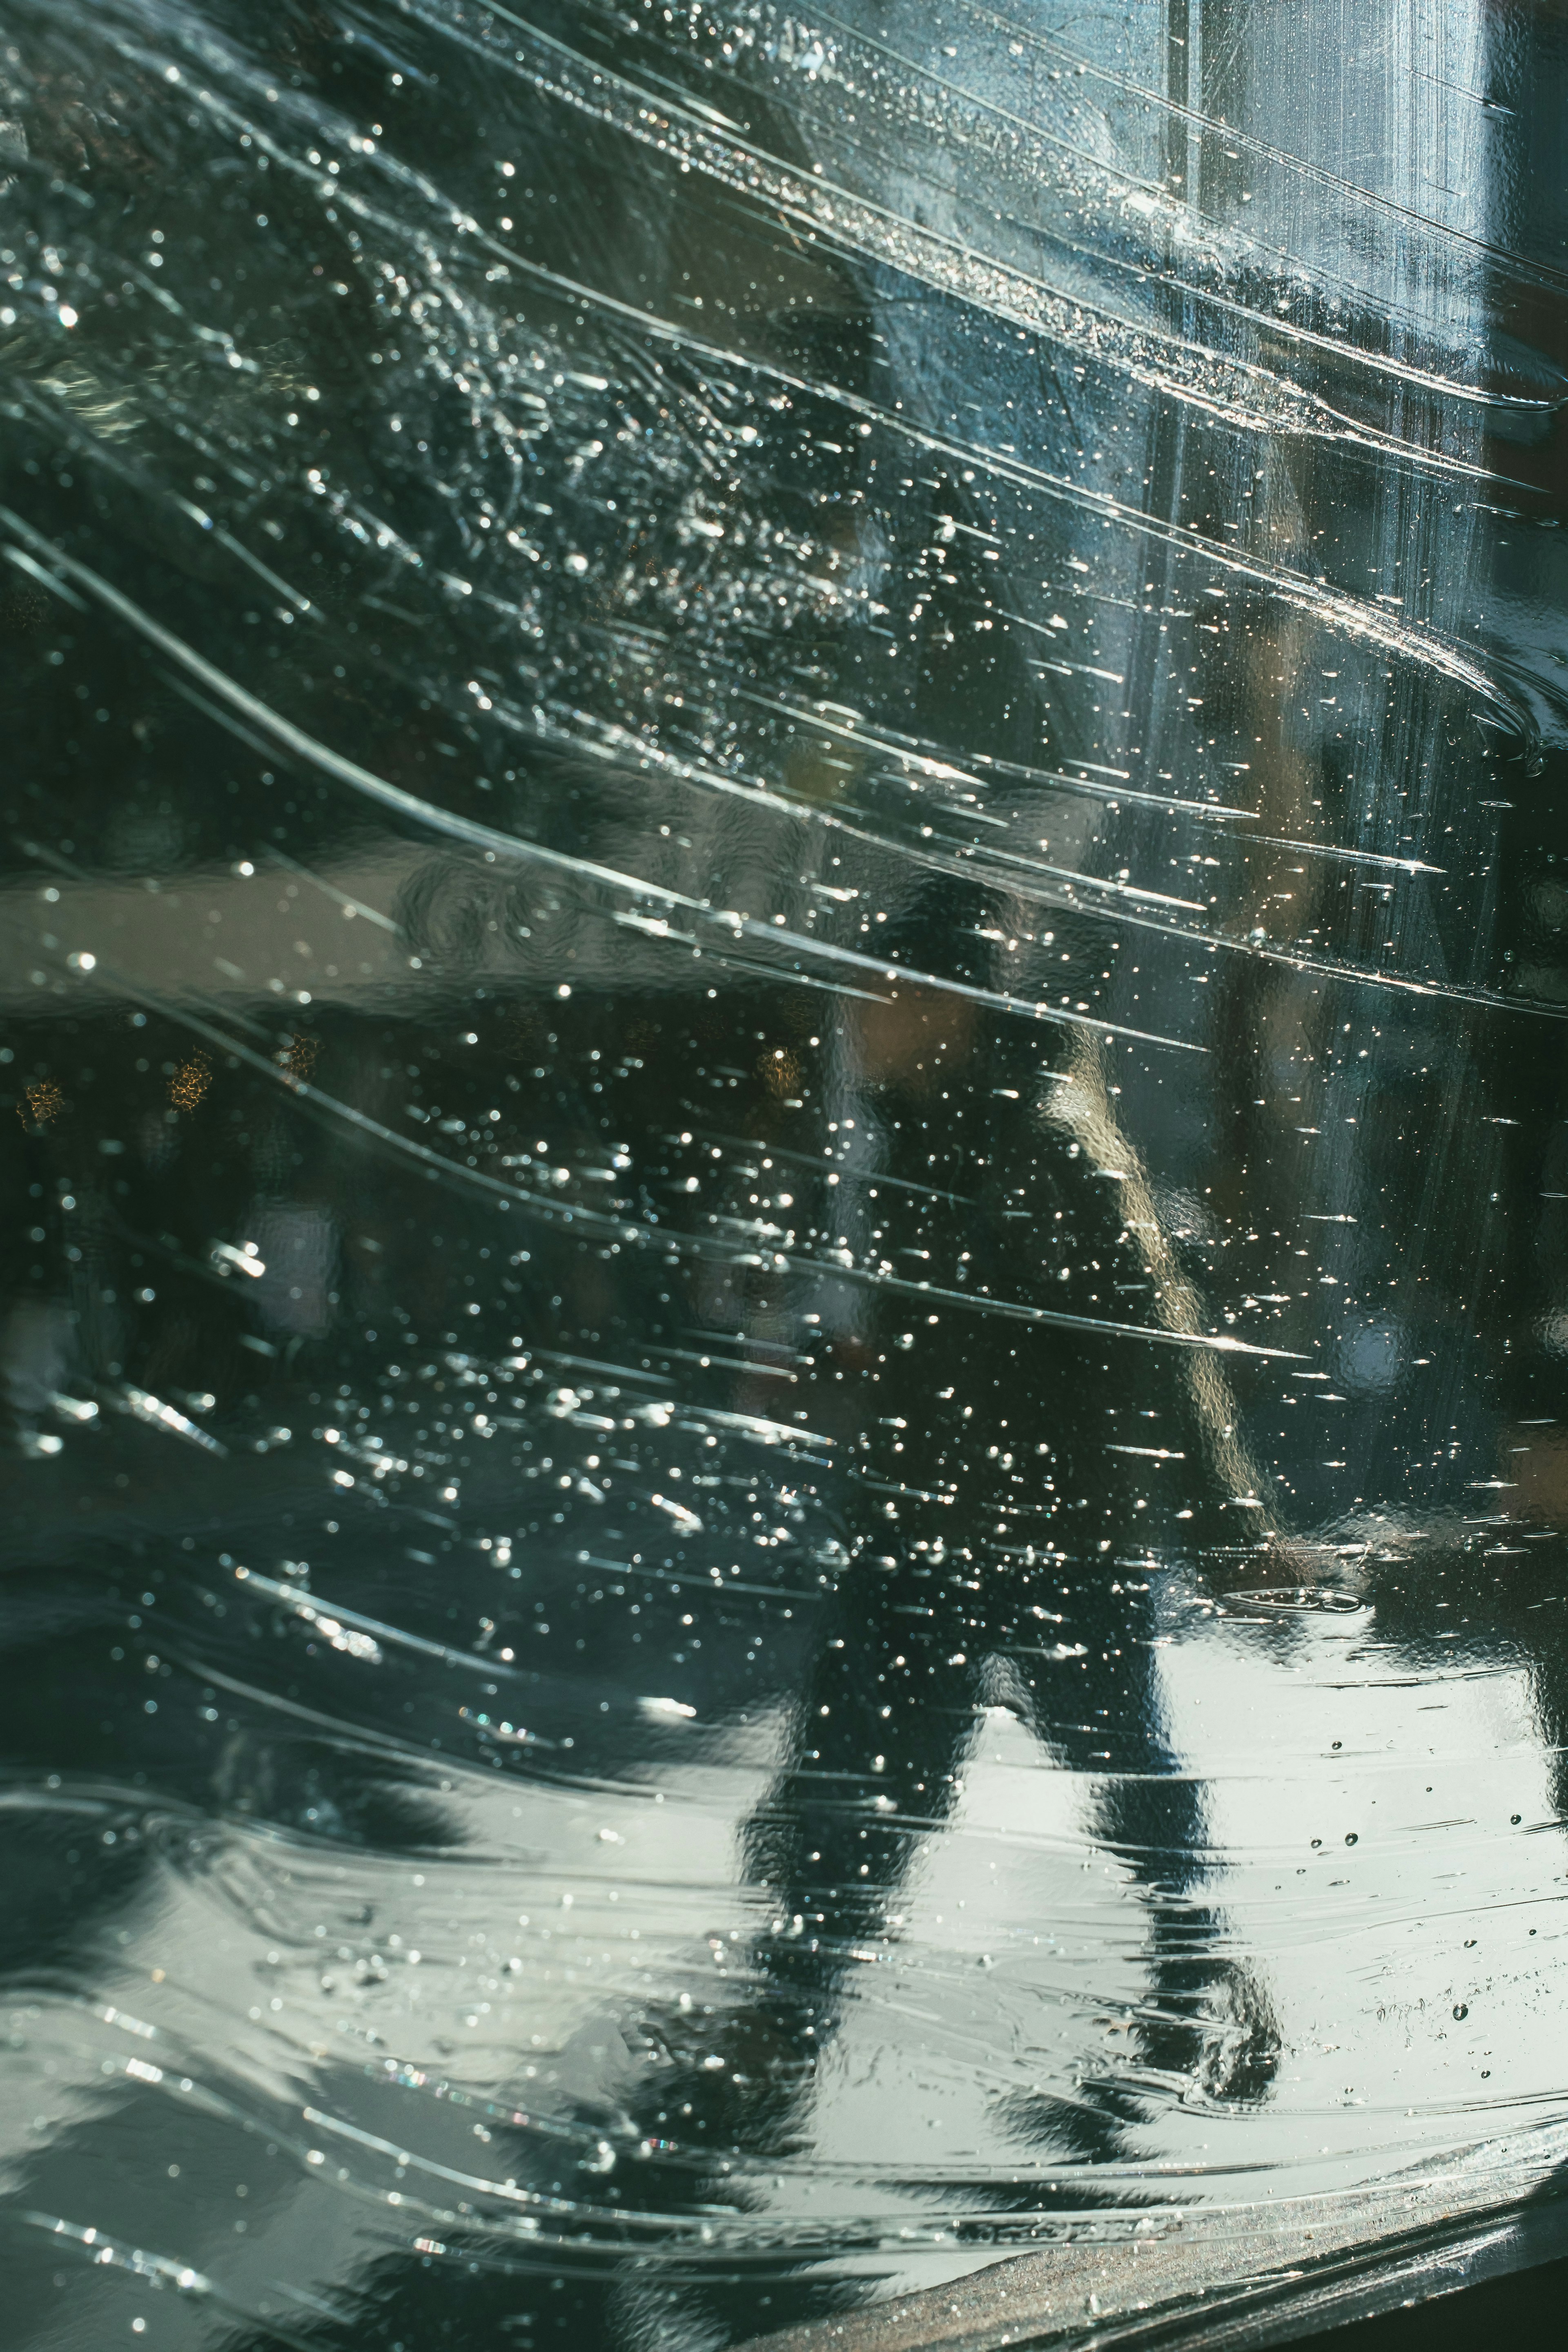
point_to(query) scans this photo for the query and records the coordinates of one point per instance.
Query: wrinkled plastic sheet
(787, 1274)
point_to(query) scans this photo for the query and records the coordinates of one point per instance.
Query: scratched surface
(783, 1303)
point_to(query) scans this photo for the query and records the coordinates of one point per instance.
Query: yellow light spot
(190, 1082)
(44, 1101)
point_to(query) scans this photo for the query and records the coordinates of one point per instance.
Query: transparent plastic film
(784, 1324)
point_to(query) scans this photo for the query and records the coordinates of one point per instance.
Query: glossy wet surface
(785, 1293)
